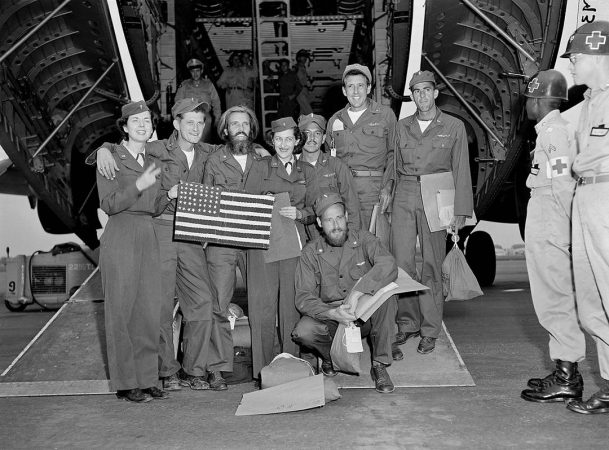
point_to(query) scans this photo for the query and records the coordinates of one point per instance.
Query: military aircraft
(67, 66)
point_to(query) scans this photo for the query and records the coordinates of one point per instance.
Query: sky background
(20, 229)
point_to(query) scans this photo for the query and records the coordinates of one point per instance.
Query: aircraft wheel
(480, 255)
(14, 308)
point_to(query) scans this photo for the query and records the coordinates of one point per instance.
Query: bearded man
(233, 167)
(326, 275)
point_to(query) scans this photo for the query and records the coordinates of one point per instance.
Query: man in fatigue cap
(327, 294)
(331, 174)
(361, 135)
(588, 51)
(427, 142)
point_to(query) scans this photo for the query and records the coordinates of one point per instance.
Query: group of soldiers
(371, 159)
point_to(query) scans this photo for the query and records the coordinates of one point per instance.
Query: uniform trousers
(222, 263)
(185, 275)
(548, 256)
(368, 190)
(130, 271)
(590, 218)
(423, 312)
(270, 289)
(317, 335)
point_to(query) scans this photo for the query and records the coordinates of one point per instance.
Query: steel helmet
(547, 84)
(589, 39)
(194, 62)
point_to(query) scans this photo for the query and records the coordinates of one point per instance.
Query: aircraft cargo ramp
(68, 355)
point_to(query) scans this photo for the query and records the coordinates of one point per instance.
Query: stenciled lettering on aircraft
(589, 10)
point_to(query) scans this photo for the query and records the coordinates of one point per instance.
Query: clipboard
(438, 194)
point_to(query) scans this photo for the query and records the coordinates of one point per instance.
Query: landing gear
(480, 255)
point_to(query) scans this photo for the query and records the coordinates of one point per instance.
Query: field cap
(186, 105)
(421, 76)
(358, 68)
(324, 201)
(305, 121)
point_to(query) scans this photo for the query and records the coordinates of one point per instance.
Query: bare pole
(467, 106)
(73, 110)
(33, 30)
(495, 27)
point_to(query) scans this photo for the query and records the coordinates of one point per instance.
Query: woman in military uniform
(271, 285)
(129, 261)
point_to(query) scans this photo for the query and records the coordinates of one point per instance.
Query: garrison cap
(194, 62)
(422, 76)
(324, 201)
(133, 108)
(285, 123)
(589, 39)
(304, 121)
(358, 68)
(186, 105)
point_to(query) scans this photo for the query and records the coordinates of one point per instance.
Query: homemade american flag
(209, 214)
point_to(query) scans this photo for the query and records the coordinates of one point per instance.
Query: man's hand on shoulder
(106, 165)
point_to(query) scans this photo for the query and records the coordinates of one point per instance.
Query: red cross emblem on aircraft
(595, 40)
(533, 85)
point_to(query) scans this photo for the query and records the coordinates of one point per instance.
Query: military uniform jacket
(441, 148)
(593, 134)
(223, 170)
(325, 275)
(552, 158)
(121, 194)
(179, 171)
(205, 91)
(275, 179)
(366, 145)
(332, 175)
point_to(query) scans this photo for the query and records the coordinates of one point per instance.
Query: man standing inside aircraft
(184, 264)
(361, 135)
(588, 51)
(427, 142)
(200, 88)
(331, 174)
(548, 239)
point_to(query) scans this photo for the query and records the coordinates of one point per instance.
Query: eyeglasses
(288, 140)
(315, 134)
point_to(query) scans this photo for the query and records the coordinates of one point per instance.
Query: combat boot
(565, 383)
(535, 383)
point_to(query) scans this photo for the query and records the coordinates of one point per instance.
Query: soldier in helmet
(588, 51)
(548, 239)
(201, 89)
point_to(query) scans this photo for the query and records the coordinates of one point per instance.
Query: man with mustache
(234, 166)
(427, 142)
(326, 274)
(331, 174)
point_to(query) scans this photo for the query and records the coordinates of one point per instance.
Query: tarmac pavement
(497, 336)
